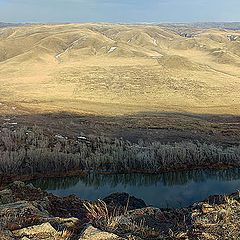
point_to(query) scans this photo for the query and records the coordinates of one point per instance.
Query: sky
(123, 11)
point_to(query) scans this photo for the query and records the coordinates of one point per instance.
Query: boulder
(13, 215)
(27, 192)
(148, 223)
(124, 200)
(216, 199)
(43, 231)
(63, 207)
(67, 207)
(6, 235)
(71, 224)
(6, 196)
(144, 222)
(91, 233)
(17, 184)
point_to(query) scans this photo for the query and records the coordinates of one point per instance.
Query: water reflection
(162, 190)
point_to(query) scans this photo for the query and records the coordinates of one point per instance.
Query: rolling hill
(115, 69)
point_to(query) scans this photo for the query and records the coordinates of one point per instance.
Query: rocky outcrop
(186, 35)
(232, 38)
(27, 213)
(6, 196)
(27, 191)
(149, 222)
(91, 233)
(6, 235)
(20, 213)
(28, 210)
(63, 207)
(65, 223)
(220, 220)
(124, 200)
(43, 231)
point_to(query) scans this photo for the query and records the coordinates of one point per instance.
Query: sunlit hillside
(117, 69)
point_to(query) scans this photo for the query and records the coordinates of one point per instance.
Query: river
(176, 189)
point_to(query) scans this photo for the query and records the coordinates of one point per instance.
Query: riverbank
(29, 212)
(7, 179)
(28, 153)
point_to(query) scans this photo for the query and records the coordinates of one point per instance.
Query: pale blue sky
(119, 10)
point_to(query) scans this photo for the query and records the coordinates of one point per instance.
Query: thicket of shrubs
(24, 151)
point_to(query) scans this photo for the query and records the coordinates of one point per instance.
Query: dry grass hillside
(107, 69)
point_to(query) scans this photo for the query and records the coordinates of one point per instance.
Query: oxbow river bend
(176, 189)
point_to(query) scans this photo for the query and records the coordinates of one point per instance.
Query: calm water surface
(179, 189)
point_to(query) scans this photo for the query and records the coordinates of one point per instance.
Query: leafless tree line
(25, 151)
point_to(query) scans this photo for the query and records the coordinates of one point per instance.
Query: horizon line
(109, 22)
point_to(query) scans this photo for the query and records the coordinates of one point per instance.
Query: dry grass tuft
(112, 221)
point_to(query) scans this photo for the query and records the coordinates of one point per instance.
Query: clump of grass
(66, 234)
(111, 221)
(219, 221)
(101, 216)
(97, 210)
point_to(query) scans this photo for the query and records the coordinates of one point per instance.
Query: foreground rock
(43, 231)
(124, 200)
(6, 235)
(27, 213)
(93, 233)
(216, 221)
(6, 196)
(15, 215)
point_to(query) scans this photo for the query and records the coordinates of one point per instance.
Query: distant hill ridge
(3, 24)
(207, 25)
